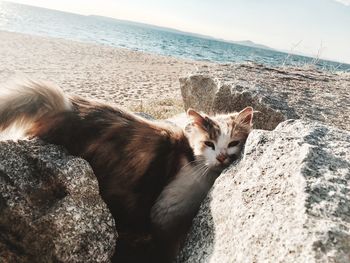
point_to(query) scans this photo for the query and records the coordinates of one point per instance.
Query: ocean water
(136, 36)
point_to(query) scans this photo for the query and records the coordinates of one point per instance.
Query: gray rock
(313, 94)
(205, 94)
(287, 200)
(50, 208)
(271, 109)
(198, 92)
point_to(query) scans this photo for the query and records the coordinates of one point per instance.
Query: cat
(152, 175)
(221, 141)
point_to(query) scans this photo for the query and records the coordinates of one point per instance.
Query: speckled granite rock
(50, 208)
(272, 109)
(313, 94)
(208, 95)
(288, 200)
(198, 92)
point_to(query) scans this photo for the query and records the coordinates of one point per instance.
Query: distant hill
(167, 29)
(250, 43)
(247, 43)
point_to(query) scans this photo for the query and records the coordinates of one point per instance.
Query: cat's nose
(221, 158)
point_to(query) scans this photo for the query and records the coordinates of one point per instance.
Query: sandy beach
(112, 74)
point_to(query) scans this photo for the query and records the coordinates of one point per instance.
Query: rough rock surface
(50, 208)
(198, 86)
(278, 93)
(288, 200)
(206, 94)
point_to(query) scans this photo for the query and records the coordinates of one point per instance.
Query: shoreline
(115, 47)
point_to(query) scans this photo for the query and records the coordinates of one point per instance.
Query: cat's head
(218, 140)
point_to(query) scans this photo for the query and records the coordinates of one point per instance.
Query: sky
(312, 27)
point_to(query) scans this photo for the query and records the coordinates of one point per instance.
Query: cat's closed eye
(210, 144)
(233, 144)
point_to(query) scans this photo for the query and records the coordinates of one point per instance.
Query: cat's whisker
(205, 170)
(195, 162)
(189, 163)
(201, 171)
(199, 165)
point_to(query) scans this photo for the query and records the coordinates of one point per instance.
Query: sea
(147, 38)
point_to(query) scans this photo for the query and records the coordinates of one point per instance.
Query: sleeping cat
(152, 175)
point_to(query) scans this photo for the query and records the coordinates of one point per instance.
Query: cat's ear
(245, 116)
(196, 117)
(200, 120)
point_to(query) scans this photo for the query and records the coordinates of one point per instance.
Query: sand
(111, 74)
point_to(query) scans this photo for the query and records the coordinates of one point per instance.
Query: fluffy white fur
(23, 101)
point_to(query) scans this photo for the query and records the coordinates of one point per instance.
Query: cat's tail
(23, 102)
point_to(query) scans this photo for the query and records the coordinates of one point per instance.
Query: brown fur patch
(239, 131)
(213, 130)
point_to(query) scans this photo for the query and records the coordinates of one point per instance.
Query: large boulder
(210, 96)
(288, 200)
(285, 92)
(50, 208)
